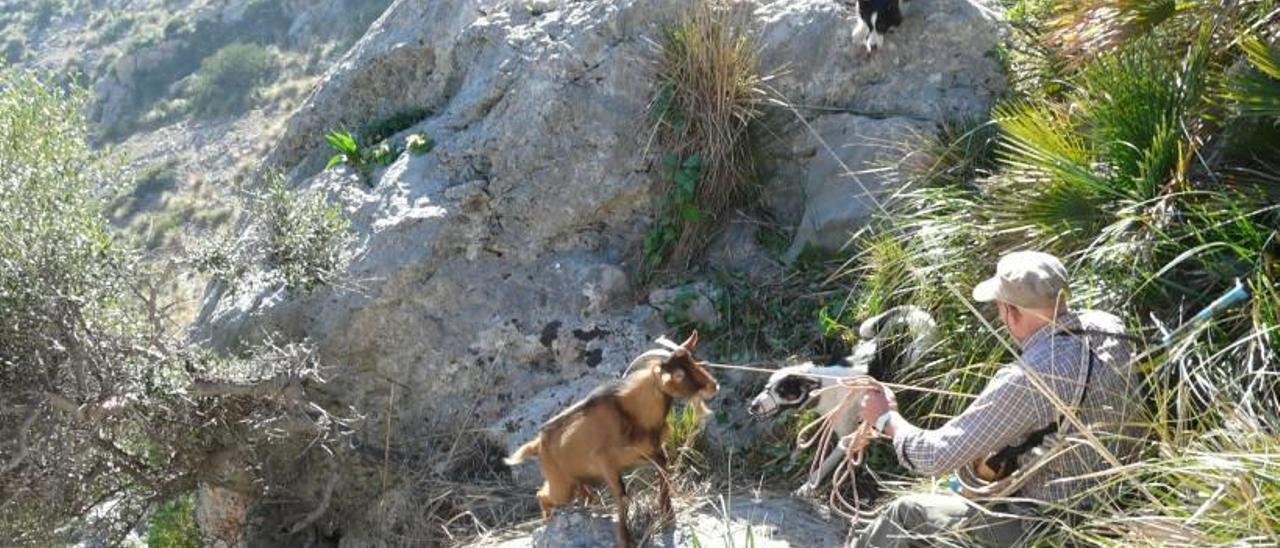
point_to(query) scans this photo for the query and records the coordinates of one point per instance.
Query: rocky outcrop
(494, 273)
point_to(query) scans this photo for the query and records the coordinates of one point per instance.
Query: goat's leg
(588, 497)
(664, 487)
(557, 490)
(620, 496)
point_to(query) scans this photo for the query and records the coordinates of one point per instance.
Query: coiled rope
(822, 432)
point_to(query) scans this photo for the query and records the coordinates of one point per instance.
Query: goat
(617, 427)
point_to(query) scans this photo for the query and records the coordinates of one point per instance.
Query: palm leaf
(1256, 93)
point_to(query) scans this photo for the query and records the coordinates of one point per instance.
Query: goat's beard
(700, 409)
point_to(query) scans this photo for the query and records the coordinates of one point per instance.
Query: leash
(822, 431)
(667, 343)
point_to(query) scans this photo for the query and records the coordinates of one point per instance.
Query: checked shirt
(1011, 407)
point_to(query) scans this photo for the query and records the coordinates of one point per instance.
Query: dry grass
(708, 106)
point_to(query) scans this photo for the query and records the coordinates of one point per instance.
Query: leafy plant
(44, 11)
(1157, 195)
(683, 203)
(682, 428)
(419, 143)
(381, 154)
(347, 151)
(380, 130)
(1256, 93)
(305, 236)
(173, 525)
(133, 410)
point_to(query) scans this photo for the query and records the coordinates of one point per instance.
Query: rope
(853, 444)
(894, 386)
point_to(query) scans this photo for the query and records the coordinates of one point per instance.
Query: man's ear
(690, 342)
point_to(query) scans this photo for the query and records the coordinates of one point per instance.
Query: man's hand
(876, 403)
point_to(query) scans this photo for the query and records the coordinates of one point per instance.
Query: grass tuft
(706, 111)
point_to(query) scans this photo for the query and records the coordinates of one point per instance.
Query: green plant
(119, 26)
(134, 411)
(347, 151)
(229, 78)
(173, 524)
(149, 184)
(683, 202)
(304, 236)
(683, 426)
(381, 154)
(1256, 93)
(1158, 194)
(419, 143)
(382, 129)
(44, 11)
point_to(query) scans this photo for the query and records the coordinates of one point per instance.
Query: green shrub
(304, 236)
(118, 27)
(419, 143)
(173, 525)
(15, 49)
(347, 150)
(102, 394)
(149, 183)
(382, 154)
(381, 130)
(44, 11)
(228, 80)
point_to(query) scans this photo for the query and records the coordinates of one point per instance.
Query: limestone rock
(851, 162)
(692, 303)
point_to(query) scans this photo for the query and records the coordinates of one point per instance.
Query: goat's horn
(666, 343)
(656, 353)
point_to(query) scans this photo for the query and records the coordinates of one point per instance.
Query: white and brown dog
(890, 342)
(876, 18)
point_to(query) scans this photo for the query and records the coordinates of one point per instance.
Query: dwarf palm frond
(1256, 92)
(1083, 30)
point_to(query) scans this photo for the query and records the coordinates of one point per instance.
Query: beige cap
(1026, 279)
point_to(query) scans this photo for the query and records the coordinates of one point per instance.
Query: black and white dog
(877, 18)
(890, 342)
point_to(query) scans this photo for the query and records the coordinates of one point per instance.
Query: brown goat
(617, 427)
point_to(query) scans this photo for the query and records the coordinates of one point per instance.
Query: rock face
(492, 274)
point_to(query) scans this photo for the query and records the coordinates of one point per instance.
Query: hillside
(320, 265)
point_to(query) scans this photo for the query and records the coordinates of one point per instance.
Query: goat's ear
(690, 342)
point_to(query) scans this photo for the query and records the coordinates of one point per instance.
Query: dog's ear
(690, 342)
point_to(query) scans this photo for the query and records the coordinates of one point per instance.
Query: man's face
(1015, 320)
(1001, 310)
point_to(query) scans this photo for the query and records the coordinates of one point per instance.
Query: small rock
(693, 303)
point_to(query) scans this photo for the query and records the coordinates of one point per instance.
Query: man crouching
(1081, 358)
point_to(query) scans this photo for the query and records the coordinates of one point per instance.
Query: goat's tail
(533, 448)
